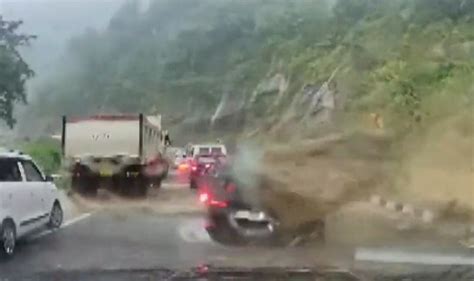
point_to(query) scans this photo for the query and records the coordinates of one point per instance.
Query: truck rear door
(102, 136)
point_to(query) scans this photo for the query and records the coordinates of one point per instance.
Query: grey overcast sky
(55, 22)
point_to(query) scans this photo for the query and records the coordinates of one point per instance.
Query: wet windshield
(201, 135)
(204, 151)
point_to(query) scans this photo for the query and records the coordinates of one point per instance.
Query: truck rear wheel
(77, 185)
(133, 183)
(138, 187)
(84, 181)
(154, 182)
(86, 186)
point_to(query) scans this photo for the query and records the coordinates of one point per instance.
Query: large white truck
(121, 153)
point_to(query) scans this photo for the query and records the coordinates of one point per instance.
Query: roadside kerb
(425, 215)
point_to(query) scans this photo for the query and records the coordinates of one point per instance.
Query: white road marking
(399, 256)
(64, 225)
(193, 232)
(76, 220)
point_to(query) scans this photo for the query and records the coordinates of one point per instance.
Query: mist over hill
(55, 22)
(267, 60)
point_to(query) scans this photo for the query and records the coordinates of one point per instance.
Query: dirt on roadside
(308, 180)
(438, 168)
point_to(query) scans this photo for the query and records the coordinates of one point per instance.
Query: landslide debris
(306, 181)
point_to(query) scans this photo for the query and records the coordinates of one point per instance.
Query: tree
(14, 71)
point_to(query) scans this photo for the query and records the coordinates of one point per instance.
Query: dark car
(235, 215)
(231, 216)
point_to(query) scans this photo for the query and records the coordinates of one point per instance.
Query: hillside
(285, 70)
(401, 58)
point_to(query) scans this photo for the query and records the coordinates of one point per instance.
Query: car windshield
(201, 135)
(216, 150)
(203, 151)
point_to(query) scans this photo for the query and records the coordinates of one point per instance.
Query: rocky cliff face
(272, 108)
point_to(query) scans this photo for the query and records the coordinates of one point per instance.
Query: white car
(28, 200)
(207, 149)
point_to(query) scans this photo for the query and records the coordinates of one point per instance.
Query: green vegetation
(411, 60)
(14, 71)
(47, 154)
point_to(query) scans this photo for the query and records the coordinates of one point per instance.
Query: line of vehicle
(64, 225)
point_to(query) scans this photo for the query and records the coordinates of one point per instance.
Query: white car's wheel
(8, 239)
(56, 216)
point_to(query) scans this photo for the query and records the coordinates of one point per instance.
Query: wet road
(137, 236)
(131, 237)
(109, 240)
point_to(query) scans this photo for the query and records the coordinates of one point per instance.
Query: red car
(203, 165)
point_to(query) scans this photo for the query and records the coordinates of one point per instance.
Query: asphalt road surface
(137, 235)
(133, 241)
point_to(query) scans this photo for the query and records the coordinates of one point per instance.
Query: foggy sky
(55, 22)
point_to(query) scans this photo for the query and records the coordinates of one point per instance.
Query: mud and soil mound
(304, 182)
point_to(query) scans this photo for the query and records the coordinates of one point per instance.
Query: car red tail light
(220, 204)
(204, 197)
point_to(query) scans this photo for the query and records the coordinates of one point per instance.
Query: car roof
(209, 145)
(13, 154)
